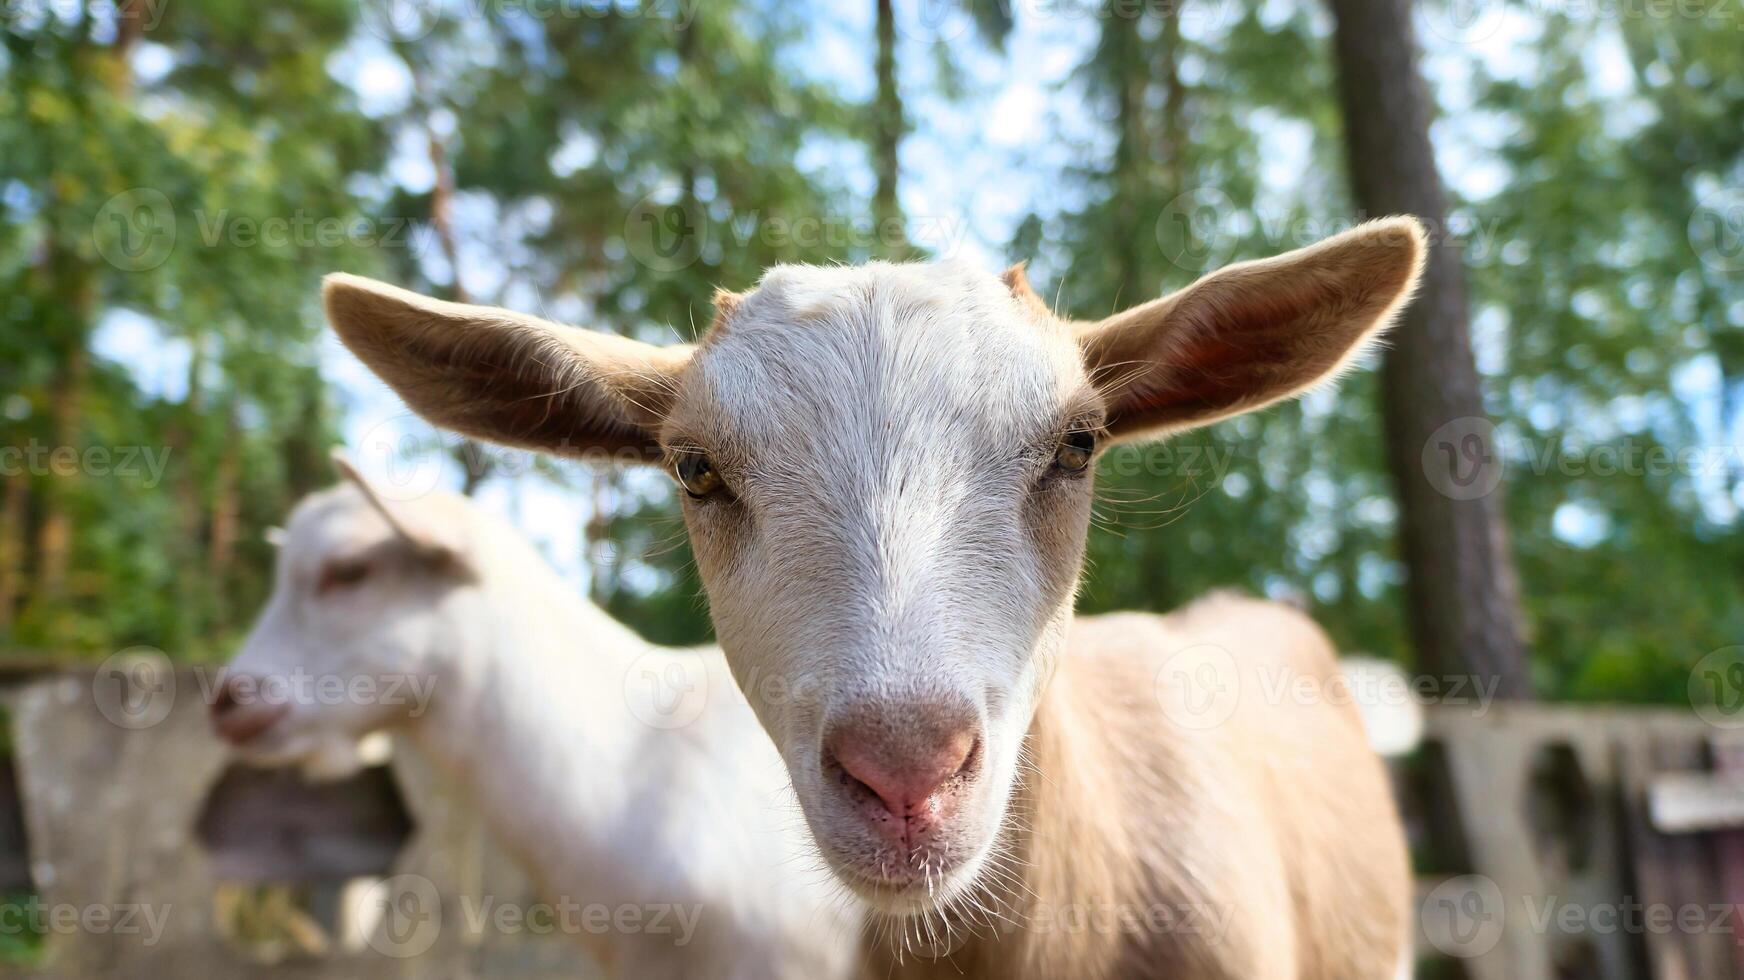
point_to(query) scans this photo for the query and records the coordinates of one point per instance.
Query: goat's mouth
(249, 727)
(924, 878)
(911, 897)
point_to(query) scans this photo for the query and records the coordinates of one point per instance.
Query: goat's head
(370, 596)
(886, 475)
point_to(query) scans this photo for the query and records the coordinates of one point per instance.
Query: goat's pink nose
(907, 762)
(238, 712)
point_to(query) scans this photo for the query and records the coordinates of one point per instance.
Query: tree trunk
(887, 127)
(14, 507)
(305, 446)
(54, 543)
(1463, 593)
(1174, 142)
(474, 462)
(226, 503)
(1130, 70)
(185, 439)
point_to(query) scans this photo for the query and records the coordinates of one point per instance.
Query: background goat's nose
(905, 756)
(239, 715)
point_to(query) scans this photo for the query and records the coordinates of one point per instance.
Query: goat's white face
(893, 461)
(353, 636)
(886, 476)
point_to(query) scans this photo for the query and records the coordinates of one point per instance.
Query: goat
(886, 476)
(536, 702)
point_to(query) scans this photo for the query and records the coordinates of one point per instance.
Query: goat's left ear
(436, 544)
(1253, 333)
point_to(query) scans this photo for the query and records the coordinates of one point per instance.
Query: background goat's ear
(508, 378)
(1253, 333)
(442, 544)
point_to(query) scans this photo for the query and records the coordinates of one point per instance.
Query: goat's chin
(320, 757)
(921, 896)
(333, 759)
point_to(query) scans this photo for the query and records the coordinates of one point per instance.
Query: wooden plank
(1728, 753)
(1689, 802)
(1498, 749)
(1672, 872)
(14, 846)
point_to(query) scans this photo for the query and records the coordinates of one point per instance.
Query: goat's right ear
(505, 377)
(1254, 333)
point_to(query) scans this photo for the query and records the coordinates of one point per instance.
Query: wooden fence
(124, 816)
(1555, 842)
(1574, 842)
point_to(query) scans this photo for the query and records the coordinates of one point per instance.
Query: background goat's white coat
(535, 712)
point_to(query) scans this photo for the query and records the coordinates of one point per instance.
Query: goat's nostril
(971, 759)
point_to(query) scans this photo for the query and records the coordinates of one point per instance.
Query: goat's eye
(342, 574)
(697, 475)
(1075, 451)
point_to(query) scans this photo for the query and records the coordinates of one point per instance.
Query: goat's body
(1263, 846)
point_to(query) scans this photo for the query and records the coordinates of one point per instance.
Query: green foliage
(1603, 301)
(1591, 304)
(147, 201)
(615, 169)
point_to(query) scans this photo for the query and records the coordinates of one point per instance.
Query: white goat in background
(540, 705)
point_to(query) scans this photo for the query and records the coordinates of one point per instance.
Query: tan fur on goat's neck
(1266, 875)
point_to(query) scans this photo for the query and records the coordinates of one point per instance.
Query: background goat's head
(887, 472)
(369, 597)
